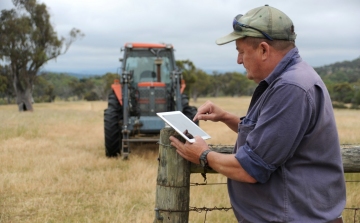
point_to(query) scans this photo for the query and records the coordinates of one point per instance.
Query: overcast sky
(327, 30)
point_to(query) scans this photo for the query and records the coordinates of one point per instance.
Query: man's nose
(239, 60)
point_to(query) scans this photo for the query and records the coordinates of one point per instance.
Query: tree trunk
(216, 92)
(195, 95)
(8, 98)
(23, 81)
(24, 100)
(23, 93)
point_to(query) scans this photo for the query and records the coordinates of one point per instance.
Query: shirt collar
(291, 58)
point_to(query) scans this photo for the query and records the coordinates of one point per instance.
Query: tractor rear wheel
(187, 110)
(113, 115)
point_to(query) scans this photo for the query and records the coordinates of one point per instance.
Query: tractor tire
(184, 100)
(112, 129)
(187, 110)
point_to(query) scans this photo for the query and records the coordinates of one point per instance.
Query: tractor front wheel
(113, 115)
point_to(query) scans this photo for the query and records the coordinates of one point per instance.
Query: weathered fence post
(351, 158)
(173, 182)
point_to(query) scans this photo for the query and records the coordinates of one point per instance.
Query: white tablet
(183, 125)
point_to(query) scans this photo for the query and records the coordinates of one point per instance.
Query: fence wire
(207, 209)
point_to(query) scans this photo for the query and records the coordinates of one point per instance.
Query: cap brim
(229, 38)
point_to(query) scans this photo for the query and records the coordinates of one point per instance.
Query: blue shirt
(288, 142)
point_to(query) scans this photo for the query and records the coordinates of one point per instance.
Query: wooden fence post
(351, 158)
(173, 182)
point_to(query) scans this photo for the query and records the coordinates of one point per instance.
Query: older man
(286, 165)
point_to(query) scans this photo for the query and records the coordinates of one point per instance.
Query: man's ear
(264, 50)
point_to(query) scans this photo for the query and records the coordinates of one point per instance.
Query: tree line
(342, 80)
(49, 87)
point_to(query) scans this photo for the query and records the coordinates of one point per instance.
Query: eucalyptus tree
(27, 42)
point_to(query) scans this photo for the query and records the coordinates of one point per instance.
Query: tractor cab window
(142, 62)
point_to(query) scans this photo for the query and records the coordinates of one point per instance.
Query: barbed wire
(219, 145)
(164, 145)
(196, 209)
(210, 184)
(199, 210)
(206, 209)
(206, 184)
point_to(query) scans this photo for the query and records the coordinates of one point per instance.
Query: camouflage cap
(262, 22)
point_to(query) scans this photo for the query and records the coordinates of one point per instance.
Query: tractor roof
(147, 45)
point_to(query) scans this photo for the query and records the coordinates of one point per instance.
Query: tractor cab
(150, 67)
(149, 64)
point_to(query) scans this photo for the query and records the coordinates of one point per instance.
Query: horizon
(209, 72)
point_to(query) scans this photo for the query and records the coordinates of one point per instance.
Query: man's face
(250, 58)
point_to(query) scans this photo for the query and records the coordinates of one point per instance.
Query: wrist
(203, 158)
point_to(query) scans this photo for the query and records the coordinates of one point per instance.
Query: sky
(327, 30)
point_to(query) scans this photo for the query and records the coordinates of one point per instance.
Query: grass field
(53, 167)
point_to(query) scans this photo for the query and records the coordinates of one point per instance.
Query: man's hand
(190, 151)
(209, 111)
(188, 134)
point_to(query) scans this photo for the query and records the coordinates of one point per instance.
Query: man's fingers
(203, 110)
(175, 142)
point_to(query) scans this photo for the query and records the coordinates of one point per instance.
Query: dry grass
(53, 167)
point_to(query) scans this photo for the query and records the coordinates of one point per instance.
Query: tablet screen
(183, 125)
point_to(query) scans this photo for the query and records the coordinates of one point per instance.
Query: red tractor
(149, 83)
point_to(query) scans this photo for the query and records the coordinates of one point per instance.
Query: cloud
(326, 30)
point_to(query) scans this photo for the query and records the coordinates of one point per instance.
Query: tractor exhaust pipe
(158, 63)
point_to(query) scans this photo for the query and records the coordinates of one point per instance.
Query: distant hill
(346, 71)
(76, 75)
(81, 76)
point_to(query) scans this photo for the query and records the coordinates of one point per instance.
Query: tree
(78, 88)
(6, 89)
(356, 99)
(108, 80)
(63, 84)
(95, 88)
(215, 84)
(188, 70)
(28, 41)
(343, 92)
(234, 84)
(43, 90)
(200, 86)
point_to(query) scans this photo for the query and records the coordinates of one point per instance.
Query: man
(286, 165)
